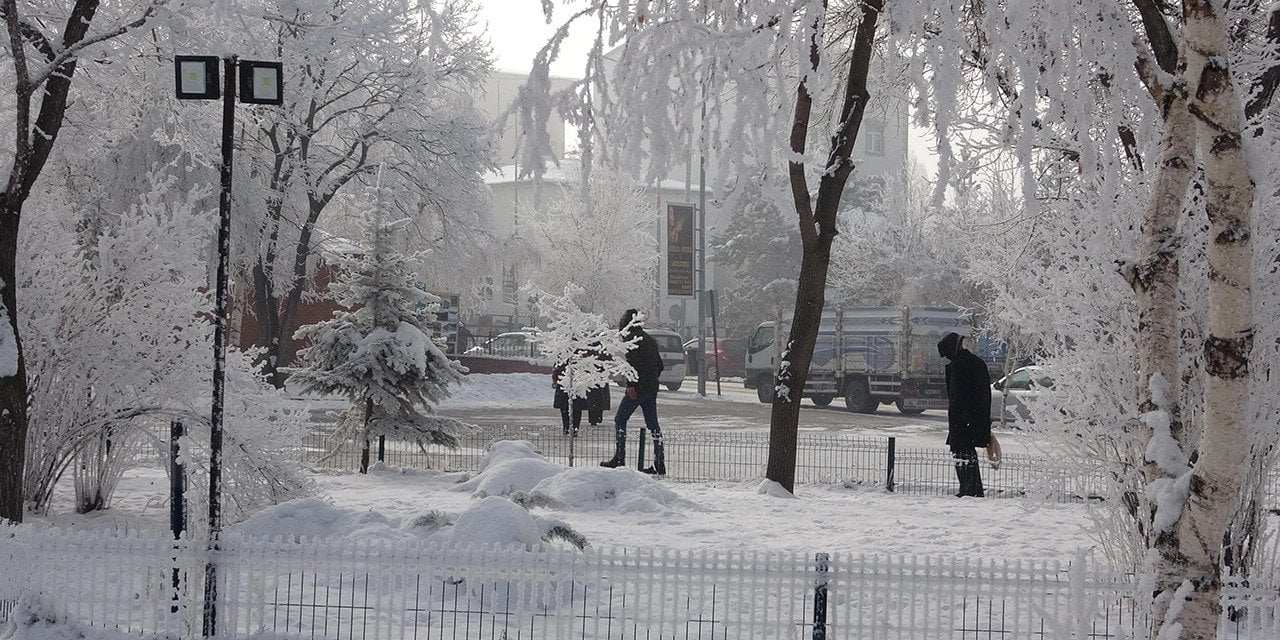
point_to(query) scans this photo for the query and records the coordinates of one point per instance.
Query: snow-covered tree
(43, 49)
(1155, 108)
(372, 83)
(758, 248)
(120, 344)
(379, 352)
(899, 249)
(592, 352)
(599, 238)
(796, 74)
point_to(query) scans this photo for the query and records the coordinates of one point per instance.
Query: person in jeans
(642, 393)
(968, 411)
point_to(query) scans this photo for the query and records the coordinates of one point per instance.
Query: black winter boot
(613, 463)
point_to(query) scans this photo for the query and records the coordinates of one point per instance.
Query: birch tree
(44, 47)
(1142, 77)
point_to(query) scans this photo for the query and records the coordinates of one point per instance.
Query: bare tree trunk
(1214, 485)
(33, 142)
(817, 230)
(13, 389)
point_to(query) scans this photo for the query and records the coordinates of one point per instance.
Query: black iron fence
(722, 455)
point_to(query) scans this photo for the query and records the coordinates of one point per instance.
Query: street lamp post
(196, 78)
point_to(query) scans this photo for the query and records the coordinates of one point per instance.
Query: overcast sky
(518, 29)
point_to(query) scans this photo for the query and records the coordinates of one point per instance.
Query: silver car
(1013, 395)
(671, 348)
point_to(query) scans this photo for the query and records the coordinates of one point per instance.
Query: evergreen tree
(379, 353)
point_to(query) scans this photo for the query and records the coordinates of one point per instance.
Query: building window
(875, 140)
(486, 291)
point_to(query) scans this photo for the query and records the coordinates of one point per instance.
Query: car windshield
(668, 342)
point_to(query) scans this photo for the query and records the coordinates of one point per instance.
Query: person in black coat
(595, 404)
(641, 393)
(968, 411)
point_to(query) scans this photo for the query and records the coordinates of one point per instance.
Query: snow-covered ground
(624, 507)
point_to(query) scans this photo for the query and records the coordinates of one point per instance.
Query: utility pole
(702, 248)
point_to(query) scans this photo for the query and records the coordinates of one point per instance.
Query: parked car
(1013, 395)
(671, 347)
(728, 357)
(512, 344)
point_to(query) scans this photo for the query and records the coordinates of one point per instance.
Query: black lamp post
(196, 78)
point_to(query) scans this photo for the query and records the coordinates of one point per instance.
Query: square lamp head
(196, 77)
(260, 82)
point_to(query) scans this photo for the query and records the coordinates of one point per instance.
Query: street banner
(680, 267)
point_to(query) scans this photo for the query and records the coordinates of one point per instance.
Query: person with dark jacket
(641, 393)
(595, 404)
(968, 411)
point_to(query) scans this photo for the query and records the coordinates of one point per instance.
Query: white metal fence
(344, 589)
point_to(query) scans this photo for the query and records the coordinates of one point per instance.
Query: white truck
(868, 356)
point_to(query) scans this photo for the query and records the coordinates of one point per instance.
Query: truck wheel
(674, 386)
(713, 373)
(857, 397)
(764, 389)
(906, 412)
(822, 401)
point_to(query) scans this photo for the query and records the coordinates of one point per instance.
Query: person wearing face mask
(968, 411)
(642, 393)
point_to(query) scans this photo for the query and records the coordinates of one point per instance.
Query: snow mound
(504, 450)
(501, 390)
(625, 490)
(489, 521)
(774, 490)
(495, 520)
(510, 476)
(297, 519)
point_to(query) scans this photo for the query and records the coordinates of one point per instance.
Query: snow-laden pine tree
(379, 352)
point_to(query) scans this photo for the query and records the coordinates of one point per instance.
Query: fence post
(888, 481)
(640, 452)
(177, 482)
(382, 448)
(177, 505)
(821, 564)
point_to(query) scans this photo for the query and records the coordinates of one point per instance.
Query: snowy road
(736, 409)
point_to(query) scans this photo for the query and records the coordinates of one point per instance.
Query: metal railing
(357, 589)
(720, 455)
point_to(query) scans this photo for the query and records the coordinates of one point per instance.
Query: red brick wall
(494, 364)
(308, 312)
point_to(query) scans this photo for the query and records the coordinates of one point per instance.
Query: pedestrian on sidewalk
(642, 393)
(968, 411)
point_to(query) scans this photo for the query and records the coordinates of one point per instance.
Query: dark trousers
(576, 421)
(967, 471)
(648, 404)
